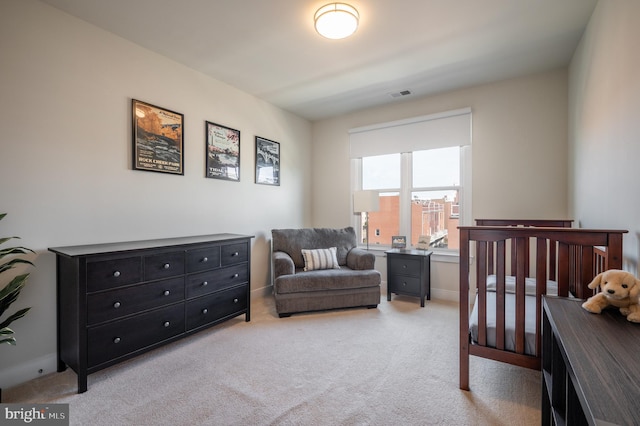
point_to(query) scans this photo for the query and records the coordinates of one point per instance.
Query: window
(422, 190)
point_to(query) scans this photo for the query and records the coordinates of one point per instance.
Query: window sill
(443, 256)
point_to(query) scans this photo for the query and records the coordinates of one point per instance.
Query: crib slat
(541, 286)
(500, 296)
(520, 293)
(490, 260)
(563, 273)
(552, 260)
(582, 291)
(481, 273)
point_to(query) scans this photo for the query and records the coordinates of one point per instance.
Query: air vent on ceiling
(399, 94)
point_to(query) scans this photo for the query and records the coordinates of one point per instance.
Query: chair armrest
(360, 259)
(282, 264)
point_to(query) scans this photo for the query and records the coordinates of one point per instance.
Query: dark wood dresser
(590, 366)
(118, 300)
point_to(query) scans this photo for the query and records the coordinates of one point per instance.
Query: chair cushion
(328, 279)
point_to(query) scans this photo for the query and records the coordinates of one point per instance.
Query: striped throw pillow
(320, 259)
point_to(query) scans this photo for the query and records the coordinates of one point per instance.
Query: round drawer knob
(116, 305)
(166, 324)
(116, 274)
(166, 266)
(235, 275)
(404, 266)
(166, 292)
(404, 284)
(236, 254)
(205, 283)
(235, 300)
(116, 340)
(205, 310)
(205, 259)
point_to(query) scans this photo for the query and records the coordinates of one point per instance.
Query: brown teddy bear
(618, 288)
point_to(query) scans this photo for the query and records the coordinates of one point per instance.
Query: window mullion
(406, 182)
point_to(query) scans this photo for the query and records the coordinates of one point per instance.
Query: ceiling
(270, 49)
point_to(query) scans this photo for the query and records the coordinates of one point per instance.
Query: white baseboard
(449, 295)
(436, 293)
(29, 370)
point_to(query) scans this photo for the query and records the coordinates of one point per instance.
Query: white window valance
(450, 128)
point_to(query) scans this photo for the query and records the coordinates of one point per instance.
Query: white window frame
(406, 189)
(406, 183)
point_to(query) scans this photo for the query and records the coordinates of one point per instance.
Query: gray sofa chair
(352, 283)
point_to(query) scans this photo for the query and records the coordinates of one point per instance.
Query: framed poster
(223, 152)
(267, 161)
(158, 144)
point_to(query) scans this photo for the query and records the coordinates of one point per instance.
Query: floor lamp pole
(366, 225)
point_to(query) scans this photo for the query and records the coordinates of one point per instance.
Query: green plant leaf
(14, 250)
(4, 324)
(10, 264)
(11, 291)
(10, 340)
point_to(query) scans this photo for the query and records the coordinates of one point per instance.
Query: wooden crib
(516, 262)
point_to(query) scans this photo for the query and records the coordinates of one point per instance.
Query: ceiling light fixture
(336, 20)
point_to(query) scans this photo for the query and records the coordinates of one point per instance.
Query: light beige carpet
(395, 365)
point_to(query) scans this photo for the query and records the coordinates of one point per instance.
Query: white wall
(519, 155)
(65, 164)
(604, 129)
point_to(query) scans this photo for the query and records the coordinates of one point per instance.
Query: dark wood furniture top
(546, 223)
(600, 356)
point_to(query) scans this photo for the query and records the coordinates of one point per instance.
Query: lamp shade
(366, 201)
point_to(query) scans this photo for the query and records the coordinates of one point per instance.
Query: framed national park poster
(267, 162)
(223, 152)
(158, 144)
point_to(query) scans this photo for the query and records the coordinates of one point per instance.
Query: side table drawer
(110, 305)
(110, 341)
(406, 285)
(218, 305)
(404, 266)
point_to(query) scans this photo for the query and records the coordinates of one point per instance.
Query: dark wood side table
(409, 273)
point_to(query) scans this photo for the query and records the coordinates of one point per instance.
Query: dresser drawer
(404, 284)
(163, 265)
(110, 341)
(210, 281)
(207, 309)
(114, 304)
(404, 266)
(234, 253)
(105, 274)
(203, 259)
